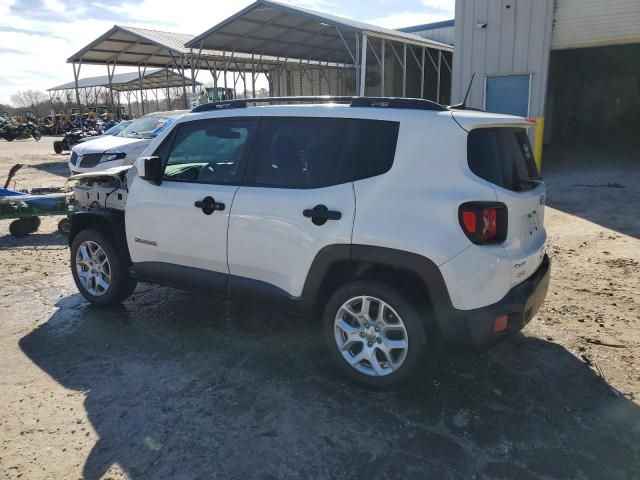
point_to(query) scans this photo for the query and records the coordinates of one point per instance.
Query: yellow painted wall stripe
(538, 141)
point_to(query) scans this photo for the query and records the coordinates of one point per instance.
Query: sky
(37, 36)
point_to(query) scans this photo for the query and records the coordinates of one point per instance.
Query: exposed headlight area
(89, 160)
(92, 159)
(110, 157)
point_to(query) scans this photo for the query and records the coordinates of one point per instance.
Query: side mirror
(150, 169)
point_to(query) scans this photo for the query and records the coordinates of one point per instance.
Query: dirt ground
(177, 385)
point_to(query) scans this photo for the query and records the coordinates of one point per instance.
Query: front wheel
(36, 135)
(375, 334)
(57, 147)
(98, 270)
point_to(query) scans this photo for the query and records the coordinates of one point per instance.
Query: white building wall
(515, 40)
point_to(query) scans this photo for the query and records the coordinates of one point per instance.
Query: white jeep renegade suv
(397, 220)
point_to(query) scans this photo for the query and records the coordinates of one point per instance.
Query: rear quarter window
(503, 156)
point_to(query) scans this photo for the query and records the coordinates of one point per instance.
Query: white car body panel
(163, 225)
(271, 241)
(108, 172)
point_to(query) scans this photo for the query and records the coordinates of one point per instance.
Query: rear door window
(503, 156)
(321, 152)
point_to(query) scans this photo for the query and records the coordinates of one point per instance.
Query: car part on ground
(26, 207)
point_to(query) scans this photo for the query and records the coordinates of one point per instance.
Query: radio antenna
(463, 105)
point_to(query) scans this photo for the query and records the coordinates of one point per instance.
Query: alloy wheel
(371, 336)
(93, 268)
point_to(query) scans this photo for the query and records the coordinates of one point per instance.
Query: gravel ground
(177, 385)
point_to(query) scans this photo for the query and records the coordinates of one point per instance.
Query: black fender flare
(109, 222)
(353, 255)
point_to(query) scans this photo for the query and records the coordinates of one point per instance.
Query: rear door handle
(209, 205)
(320, 214)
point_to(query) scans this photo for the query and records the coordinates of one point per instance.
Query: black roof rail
(370, 102)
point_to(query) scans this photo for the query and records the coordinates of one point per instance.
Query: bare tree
(29, 99)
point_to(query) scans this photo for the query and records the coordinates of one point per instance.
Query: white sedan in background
(122, 148)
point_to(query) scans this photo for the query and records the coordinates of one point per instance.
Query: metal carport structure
(382, 60)
(144, 48)
(92, 87)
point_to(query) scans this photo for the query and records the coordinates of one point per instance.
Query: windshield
(146, 127)
(117, 128)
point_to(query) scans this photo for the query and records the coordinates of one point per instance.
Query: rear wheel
(20, 228)
(64, 226)
(374, 334)
(98, 270)
(34, 223)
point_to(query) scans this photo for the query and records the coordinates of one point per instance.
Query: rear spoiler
(470, 120)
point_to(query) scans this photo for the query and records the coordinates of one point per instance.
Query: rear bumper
(474, 329)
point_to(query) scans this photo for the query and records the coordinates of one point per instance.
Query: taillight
(484, 222)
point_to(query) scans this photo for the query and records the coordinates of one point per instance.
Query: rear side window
(376, 147)
(320, 152)
(503, 156)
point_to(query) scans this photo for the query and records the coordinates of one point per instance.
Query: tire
(401, 322)
(101, 284)
(20, 228)
(64, 226)
(57, 147)
(37, 135)
(34, 223)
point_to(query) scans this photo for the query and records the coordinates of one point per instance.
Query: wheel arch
(417, 276)
(109, 223)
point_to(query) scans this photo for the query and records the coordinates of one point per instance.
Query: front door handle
(209, 205)
(320, 214)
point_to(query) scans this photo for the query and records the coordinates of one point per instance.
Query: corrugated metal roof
(155, 78)
(594, 23)
(282, 30)
(132, 46)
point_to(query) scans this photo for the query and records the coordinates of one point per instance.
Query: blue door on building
(508, 94)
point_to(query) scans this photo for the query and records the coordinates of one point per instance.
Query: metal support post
(439, 74)
(363, 65)
(76, 75)
(404, 70)
(382, 62)
(422, 75)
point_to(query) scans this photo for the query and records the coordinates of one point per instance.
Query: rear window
(503, 156)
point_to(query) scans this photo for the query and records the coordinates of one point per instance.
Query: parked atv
(10, 131)
(70, 139)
